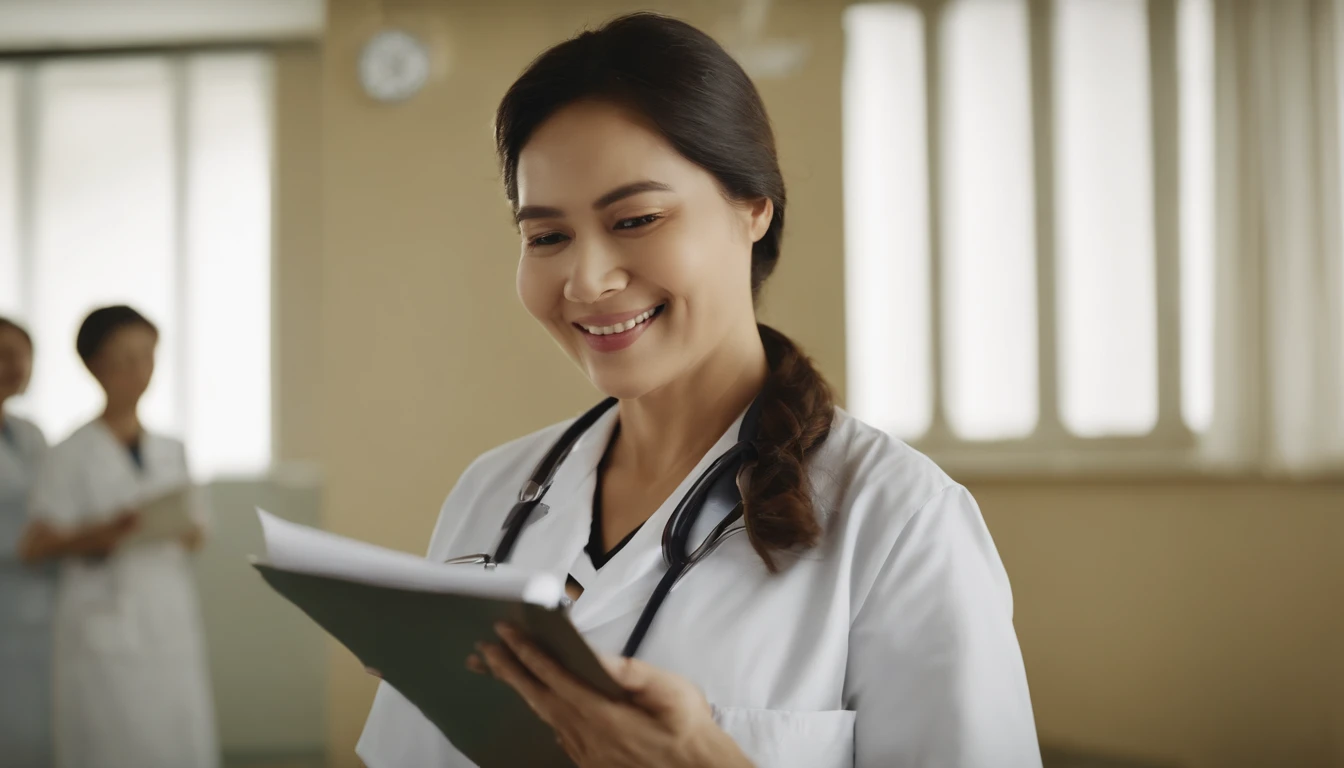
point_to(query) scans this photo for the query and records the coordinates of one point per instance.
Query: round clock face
(394, 65)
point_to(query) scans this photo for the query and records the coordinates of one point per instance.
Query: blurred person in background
(27, 592)
(865, 617)
(132, 686)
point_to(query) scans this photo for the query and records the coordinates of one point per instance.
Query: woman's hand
(665, 722)
(194, 539)
(101, 539)
(39, 542)
(42, 541)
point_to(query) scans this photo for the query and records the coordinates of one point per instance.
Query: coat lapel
(121, 484)
(625, 583)
(553, 542)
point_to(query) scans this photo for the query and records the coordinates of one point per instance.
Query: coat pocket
(776, 738)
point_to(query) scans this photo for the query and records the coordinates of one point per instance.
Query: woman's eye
(638, 221)
(550, 238)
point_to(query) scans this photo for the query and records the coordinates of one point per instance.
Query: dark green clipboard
(419, 642)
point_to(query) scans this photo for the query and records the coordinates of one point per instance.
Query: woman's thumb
(624, 671)
(651, 688)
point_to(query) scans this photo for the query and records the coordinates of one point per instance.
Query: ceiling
(57, 25)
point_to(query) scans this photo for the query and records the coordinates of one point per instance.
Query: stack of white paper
(164, 518)
(300, 549)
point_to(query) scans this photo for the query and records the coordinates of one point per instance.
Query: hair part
(102, 323)
(704, 104)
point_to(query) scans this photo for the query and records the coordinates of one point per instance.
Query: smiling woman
(864, 618)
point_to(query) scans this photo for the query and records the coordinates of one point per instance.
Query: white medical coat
(27, 593)
(889, 644)
(132, 686)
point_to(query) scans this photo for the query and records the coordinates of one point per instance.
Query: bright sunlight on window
(1104, 219)
(1034, 319)
(989, 244)
(145, 181)
(887, 218)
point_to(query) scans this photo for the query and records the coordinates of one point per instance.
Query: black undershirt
(596, 552)
(137, 455)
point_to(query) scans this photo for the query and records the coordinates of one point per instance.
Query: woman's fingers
(619, 667)
(125, 521)
(505, 666)
(547, 670)
(655, 690)
(476, 664)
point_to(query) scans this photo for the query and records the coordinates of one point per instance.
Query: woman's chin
(624, 382)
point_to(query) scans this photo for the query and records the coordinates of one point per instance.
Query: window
(1032, 266)
(145, 181)
(1043, 331)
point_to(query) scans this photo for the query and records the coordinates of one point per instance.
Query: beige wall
(1196, 621)
(297, 239)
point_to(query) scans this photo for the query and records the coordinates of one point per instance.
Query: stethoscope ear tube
(677, 533)
(515, 522)
(532, 492)
(651, 609)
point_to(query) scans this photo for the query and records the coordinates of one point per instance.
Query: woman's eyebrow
(537, 212)
(630, 190)
(615, 195)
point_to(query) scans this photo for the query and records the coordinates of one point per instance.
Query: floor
(1056, 757)
(1052, 758)
(274, 761)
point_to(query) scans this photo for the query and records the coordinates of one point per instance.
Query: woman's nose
(597, 273)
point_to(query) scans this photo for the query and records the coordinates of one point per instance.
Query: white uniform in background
(890, 644)
(132, 686)
(26, 597)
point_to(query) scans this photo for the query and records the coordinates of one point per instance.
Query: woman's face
(16, 363)
(125, 363)
(632, 256)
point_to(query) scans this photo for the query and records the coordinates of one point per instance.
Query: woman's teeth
(607, 330)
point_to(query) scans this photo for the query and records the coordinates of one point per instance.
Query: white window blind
(886, 189)
(145, 181)
(1106, 289)
(988, 242)
(1093, 274)
(1195, 64)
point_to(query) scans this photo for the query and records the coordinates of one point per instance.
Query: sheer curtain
(1279, 289)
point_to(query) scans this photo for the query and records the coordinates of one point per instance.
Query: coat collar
(555, 543)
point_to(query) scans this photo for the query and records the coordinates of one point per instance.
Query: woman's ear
(762, 212)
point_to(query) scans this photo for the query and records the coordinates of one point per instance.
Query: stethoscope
(676, 534)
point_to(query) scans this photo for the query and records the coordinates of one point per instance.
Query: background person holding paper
(26, 591)
(865, 617)
(132, 687)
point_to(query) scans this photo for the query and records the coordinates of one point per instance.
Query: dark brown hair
(5, 322)
(707, 108)
(101, 323)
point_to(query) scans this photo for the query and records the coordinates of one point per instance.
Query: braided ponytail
(796, 412)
